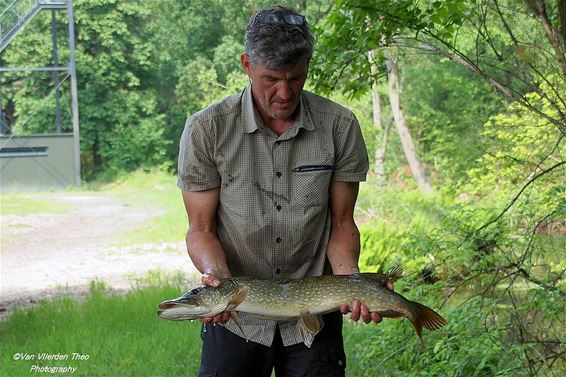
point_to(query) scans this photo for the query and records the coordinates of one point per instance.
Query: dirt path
(49, 254)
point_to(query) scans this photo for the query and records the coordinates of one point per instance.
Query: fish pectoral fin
(310, 323)
(234, 317)
(309, 326)
(237, 298)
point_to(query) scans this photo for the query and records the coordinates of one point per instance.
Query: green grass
(23, 204)
(120, 334)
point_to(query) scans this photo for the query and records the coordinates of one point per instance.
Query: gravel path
(45, 255)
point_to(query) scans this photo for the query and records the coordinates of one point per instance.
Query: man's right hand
(213, 281)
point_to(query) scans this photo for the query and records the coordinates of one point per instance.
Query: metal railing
(16, 14)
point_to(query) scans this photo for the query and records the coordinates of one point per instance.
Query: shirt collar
(253, 122)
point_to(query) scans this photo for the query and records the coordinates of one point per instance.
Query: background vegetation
(483, 93)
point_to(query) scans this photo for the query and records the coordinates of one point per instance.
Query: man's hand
(360, 310)
(213, 281)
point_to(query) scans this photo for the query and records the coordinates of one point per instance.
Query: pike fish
(300, 299)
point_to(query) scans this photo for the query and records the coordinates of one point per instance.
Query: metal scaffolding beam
(13, 19)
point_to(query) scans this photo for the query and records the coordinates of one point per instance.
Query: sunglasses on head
(279, 17)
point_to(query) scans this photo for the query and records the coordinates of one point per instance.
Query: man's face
(276, 93)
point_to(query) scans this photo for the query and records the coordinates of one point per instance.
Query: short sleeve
(197, 168)
(351, 163)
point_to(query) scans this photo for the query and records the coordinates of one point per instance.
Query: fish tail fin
(427, 318)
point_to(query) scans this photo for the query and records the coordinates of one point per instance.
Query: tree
(417, 168)
(518, 48)
(502, 43)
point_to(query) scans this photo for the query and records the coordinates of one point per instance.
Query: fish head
(203, 301)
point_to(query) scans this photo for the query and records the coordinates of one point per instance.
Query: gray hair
(278, 46)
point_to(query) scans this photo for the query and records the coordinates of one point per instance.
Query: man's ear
(246, 64)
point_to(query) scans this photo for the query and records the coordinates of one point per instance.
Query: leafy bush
(465, 347)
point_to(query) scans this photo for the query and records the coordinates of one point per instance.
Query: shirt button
(278, 174)
(278, 240)
(278, 270)
(278, 207)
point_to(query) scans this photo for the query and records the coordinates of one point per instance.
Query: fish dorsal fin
(237, 298)
(309, 326)
(394, 274)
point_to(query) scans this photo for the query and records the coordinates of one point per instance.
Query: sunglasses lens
(277, 17)
(294, 19)
(271, 18)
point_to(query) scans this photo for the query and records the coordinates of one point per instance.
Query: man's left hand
(360, 310)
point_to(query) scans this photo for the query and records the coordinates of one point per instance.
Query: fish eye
(193, 292)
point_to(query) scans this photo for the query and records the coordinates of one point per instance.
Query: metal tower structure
(14, 16)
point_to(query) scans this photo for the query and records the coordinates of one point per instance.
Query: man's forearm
(343, 250)
(207, 254)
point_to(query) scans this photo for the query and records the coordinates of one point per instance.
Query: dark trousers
(225, 354)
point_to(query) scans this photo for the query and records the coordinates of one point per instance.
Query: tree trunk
(381, 139)
(538, 7)
(415, 164)
(380, 154)
(376, 102)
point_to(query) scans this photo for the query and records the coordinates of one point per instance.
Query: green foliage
(356, 27)
(121, 110)
(465, 347)
(520, 144)
(379, 244)
(446, 113)
(400, 231)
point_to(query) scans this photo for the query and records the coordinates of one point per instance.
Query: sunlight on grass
(23, 204)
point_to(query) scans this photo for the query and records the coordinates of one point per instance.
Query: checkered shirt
(273, 218)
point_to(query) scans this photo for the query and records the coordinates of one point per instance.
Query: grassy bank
(116, 335)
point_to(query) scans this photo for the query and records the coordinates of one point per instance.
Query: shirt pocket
(312, 182)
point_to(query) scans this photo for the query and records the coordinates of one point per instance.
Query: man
(270, 178)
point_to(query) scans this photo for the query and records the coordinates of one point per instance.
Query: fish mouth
(169, 305)
(179, 308)
(175, 303)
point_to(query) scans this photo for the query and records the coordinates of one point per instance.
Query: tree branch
(518, 195)
(538, 7)
(505, 90)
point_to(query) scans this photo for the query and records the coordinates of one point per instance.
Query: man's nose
(284, 90)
